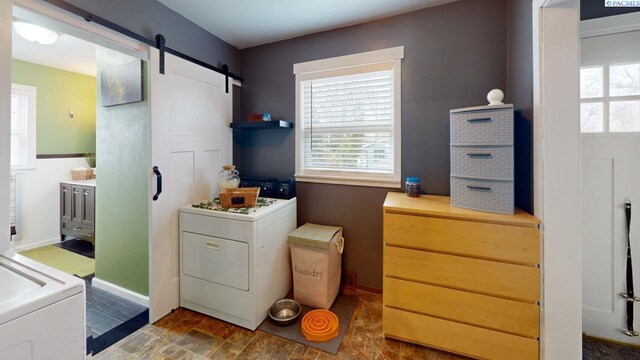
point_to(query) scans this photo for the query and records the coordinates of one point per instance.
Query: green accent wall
(59, 91)
(122, 187)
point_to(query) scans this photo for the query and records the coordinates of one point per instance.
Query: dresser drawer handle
(211, 245)
(481, 188)
(478, 120)
(479, 155)
(77, 228)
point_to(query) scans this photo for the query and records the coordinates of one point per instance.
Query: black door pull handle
(158, 183)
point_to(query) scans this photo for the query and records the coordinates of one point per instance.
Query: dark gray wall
(454, 54)
(520, 93)
(150, 17)
(593, 9)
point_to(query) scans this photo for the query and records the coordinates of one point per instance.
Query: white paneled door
(191, 140)
(610, 176)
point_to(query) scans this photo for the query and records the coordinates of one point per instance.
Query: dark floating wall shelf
(273, 124)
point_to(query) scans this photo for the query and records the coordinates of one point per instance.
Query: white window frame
(338, 66)
(32, 93)
(606, 99)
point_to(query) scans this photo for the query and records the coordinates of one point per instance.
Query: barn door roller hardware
(143, 39)
(160, 41)
(161, 45)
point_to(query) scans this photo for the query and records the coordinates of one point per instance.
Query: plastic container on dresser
(482, 158)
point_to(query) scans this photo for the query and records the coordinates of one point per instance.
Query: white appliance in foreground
(234, 266)
(42, 311)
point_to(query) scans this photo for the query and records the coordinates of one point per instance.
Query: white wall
(41, 201)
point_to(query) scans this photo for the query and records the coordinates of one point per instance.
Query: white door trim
(5, 126)
(556, 38)
(610, 25)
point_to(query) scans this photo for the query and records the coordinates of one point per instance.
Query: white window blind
(348, 119)
(19, 139)
(23, 140)
(348, 123)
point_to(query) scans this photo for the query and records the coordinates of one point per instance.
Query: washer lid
(14, 284)
(31, 286)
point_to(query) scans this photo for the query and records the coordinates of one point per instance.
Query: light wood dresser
(461, 280)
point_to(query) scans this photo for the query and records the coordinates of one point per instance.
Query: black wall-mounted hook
(160, 42)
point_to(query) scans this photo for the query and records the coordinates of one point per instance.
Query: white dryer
(42, 311)
(233, 266)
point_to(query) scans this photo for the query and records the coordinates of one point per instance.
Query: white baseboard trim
(120, 291)
(37, 244)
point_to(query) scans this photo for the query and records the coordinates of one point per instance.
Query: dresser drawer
(482, 162)
(483, 240)
(511, 281)
(488, 127)
(456, 337)
(484, 195)
(509, 316)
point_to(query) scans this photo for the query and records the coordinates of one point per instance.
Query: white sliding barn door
(610, 176)
(191, 140)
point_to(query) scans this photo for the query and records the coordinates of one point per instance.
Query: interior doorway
(76, 103)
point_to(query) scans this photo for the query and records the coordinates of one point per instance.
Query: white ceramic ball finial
(495, 97)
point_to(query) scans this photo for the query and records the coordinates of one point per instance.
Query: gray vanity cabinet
(77, 210)
(65, 202)
(88, 215)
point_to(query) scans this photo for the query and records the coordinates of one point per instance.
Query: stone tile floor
(187, 335)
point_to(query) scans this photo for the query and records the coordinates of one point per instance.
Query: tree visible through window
(610, 98)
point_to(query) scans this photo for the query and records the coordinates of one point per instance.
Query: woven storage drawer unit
(482, 127)
(482, 158)
(485, 195)
(482, 162)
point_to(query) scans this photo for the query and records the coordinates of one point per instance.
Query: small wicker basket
(77, 175)
(240, 197)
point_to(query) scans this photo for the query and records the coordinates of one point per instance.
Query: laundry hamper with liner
(316, 256)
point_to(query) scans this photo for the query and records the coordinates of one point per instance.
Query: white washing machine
(42, 311)
(234, 266)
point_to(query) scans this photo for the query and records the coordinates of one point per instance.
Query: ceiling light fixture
(35, 33)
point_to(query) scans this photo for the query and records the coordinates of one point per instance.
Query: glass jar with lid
(229, 178)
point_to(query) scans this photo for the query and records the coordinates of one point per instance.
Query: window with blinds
(348, 123)
(22, 126)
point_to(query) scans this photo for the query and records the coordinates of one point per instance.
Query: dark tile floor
(185, 334)
(110, 318)
(106, 311)
(593, 349)
(78, 246)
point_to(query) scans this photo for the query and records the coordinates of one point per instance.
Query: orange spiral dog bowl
(320, 325)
